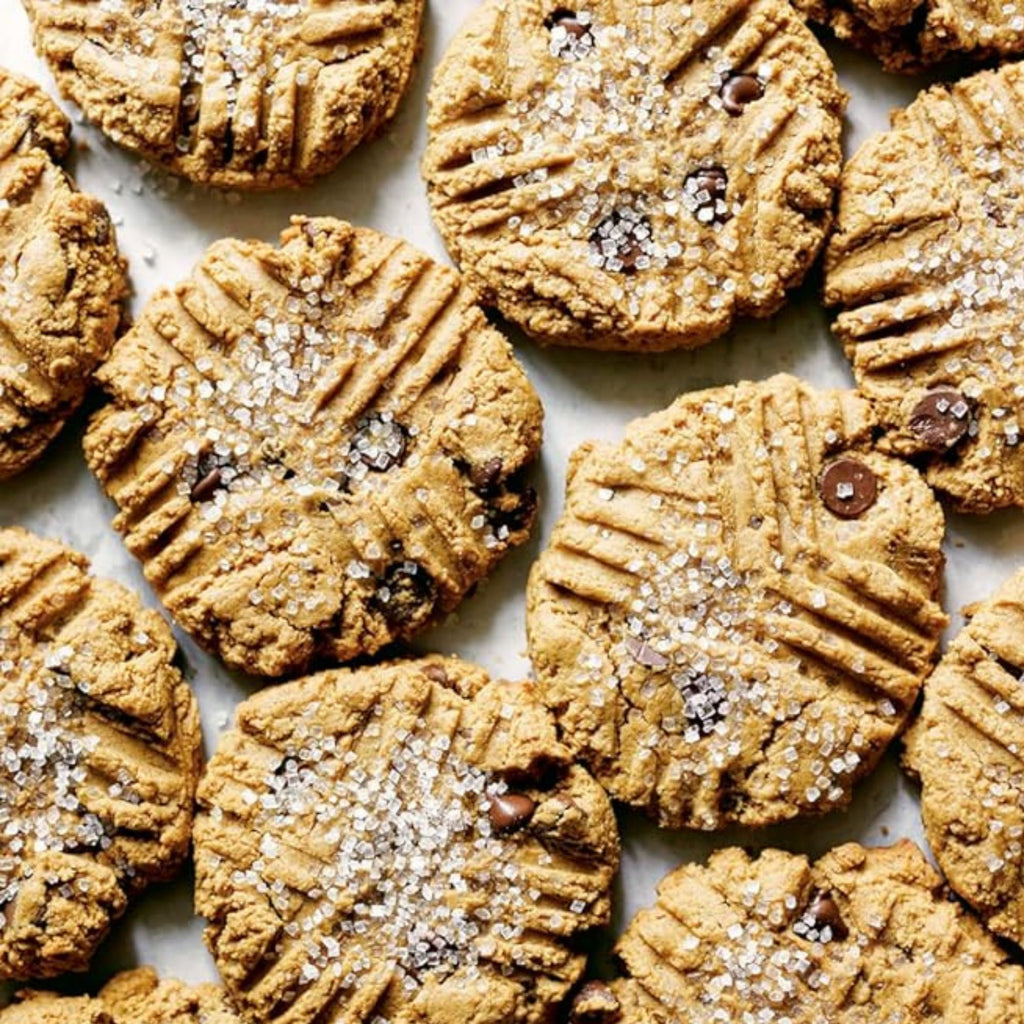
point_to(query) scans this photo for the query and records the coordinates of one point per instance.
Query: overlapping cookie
(737, 608)
(925, 268)
(409, 843)
(99, 756)
(241, 94)
(62, 281)
(315, 448)
(634, 176)
(134, 997)
(860, 935)
(910, 35)
(966, 747)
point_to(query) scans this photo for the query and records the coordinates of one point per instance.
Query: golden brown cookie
(967, 747)
(925, 266)
(910, 35)
(99, 756)
(862, 936)
(737, 607)
(133, 997)
(62, 281)
(634, 176)
(251, 95)
(316, 448)
(408, 843)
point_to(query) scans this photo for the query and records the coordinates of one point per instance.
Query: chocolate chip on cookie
(738, 91)
(941, 419)
(848, 488)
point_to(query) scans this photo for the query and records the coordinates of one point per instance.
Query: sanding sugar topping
(612, 108)
(241, 37)
(45, 765)
(410, 867)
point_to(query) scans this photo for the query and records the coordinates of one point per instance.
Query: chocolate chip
(621, 240)
(485, 477)
(941, 419)
(704, 193)
(437, 674)
(848, 488)
(821, 921)
(406, 595)
(738, 90)
(379, 443)
(512, 511)
(575, 37)
(645, 654)
(209, 479)
(595, 1003)
(509, 812)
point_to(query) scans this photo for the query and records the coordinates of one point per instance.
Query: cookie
(316, 449)
(99, 756)
(133, 997)
(408, 842)
(966, 746)
(239, 94)
(737, 608)
(910, 35)
(634, 176)
(62, 281)
(860, 935)
(925, 269)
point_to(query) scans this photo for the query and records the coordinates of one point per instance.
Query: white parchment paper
(163, 227)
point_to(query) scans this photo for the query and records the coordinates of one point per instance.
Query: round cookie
(966, 747)
(925, 266)
(910, 35)
(316, 449)
(737, 607)
(233, 92)
(133, 997)
(862, 935)
(634, 176)
(99, 756)
(62, 281)
(408, 842)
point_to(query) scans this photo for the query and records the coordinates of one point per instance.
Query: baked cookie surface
(633, 176)
(250, 94)
(317, 448)
(99, 756)
(861, 935)
(966, 747)
(910, 35)
(133, 997)
(62, 281)
(737, 608)
(925, 268)
(408, 842)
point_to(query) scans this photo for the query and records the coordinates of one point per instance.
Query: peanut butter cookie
(911, 35)
(61, 279)
(99, 755)
(634, 176)
(134, 997)
(863, 935)
(967, 747)
(408, 843)
(738, 606)
(250, 94)
(926, 268)
(317, 448)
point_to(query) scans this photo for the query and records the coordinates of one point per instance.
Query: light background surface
(164, 226)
